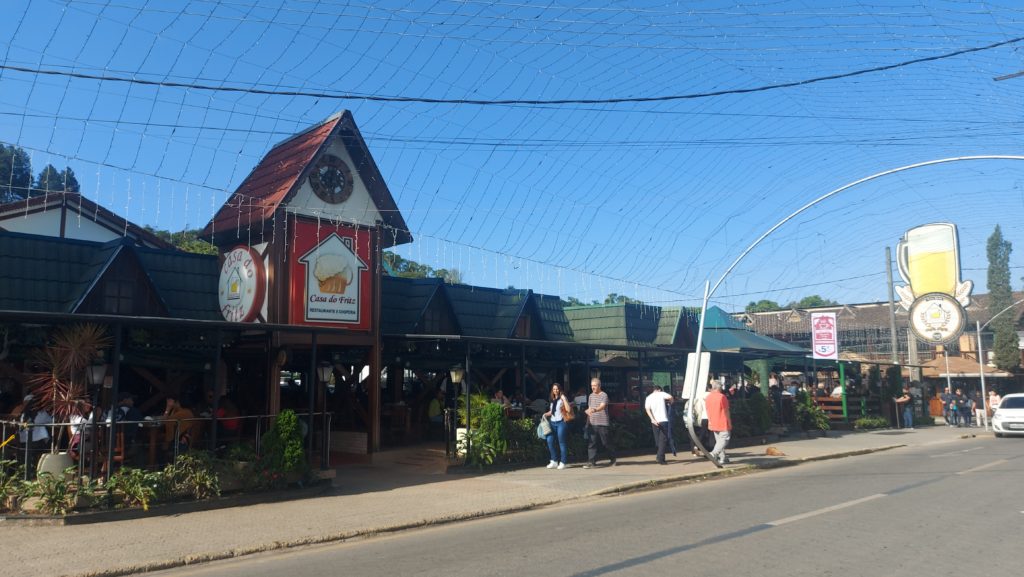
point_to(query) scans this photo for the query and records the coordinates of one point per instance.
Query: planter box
(54, 464)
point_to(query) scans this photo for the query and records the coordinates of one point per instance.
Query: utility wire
(507, 102)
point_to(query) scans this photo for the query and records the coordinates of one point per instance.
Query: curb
(367, 533)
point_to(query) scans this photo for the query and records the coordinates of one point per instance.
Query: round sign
(242, 285)
(937, 318)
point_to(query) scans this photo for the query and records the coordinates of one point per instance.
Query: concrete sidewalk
(387, 496)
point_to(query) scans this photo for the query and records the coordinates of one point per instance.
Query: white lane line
(980, 467)
(955, 453)
(822, 511)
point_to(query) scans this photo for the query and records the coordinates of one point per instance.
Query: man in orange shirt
(717, 406)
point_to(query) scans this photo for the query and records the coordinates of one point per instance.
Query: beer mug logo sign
(929, 261)
(928, 258)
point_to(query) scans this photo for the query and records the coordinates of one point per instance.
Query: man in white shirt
(656, 405)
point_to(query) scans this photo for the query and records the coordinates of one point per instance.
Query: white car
(1009, 417)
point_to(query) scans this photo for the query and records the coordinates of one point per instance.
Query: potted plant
(477, 403)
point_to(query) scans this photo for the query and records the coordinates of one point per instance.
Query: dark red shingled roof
(277, 175)
(273, 178)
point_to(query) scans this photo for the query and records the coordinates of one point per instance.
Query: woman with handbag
(559, 414)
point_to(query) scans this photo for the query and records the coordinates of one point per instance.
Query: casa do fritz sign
(330, 276)
(241, 287)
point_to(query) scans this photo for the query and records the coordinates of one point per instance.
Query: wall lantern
(457, 373)
(96, 373)
(325, 371)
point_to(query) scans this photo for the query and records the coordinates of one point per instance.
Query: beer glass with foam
(929, 260)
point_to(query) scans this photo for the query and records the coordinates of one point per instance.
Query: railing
(856, 407)
(88, 446)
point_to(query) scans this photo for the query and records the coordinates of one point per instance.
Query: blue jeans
(556, 440)
(908, 417)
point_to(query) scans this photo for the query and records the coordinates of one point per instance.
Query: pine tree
(15, 173)
(51, 180)
(1006, 348)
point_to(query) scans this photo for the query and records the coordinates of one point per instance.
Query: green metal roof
(51, 274)
(552, 317)
(186, 282)
(486, 312)
(404, 301)
(478, 311)
(620, 324)
(47, 274)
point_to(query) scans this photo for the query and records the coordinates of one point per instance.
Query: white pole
(949, 382)
(981, 375)
(696, 372)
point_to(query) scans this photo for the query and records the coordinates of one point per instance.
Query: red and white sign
(330, 276)
(824, 336)
(242, 285)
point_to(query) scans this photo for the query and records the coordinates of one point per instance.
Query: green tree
(763, 306)
(185, 240)
(15, 173)
(406, 268)
(450, 275)
(52, 180)
(813, 301)
(617, 299)
(1006, 347)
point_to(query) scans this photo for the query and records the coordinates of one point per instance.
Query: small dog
(773, 452)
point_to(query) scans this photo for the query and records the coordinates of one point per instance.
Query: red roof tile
(270, 182)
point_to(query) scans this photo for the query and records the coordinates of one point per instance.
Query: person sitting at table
(435, 410)
(501, 399)
(179, 428)
(80, 429)
(131, 417)
(538, 406)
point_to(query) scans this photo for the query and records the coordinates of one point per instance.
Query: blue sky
(646, 199)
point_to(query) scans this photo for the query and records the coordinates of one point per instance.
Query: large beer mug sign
(929, 262)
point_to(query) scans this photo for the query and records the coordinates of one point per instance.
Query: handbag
(543, 428)
(567, 413)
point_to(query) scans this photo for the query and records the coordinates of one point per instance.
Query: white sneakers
(556, 465)
(560, 466)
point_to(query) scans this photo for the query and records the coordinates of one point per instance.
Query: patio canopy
(724, 334)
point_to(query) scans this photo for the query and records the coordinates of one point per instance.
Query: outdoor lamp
(325, 371)
(456, 373)
(96, 373)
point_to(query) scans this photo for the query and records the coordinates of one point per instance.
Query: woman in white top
(557, 445)
(993, 401)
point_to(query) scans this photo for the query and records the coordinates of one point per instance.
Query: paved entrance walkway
(397, 492)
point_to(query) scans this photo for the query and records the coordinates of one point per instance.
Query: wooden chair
(118, 458)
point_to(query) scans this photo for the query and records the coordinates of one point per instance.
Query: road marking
(824, 510)
(980, 467)
(955, 453)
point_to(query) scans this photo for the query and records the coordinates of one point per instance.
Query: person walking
(719, 423)
(700, 413)
(598, 424)
(656, 405)
(947, 413)
(557, 444)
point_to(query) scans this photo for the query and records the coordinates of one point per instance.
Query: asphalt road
(945, 509)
